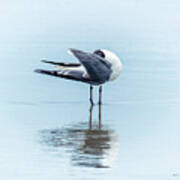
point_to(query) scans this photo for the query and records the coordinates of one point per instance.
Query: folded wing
(98, 69)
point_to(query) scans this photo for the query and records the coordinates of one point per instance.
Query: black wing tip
(46, 61)
(41, 71)
(38, 70)
(50, 62)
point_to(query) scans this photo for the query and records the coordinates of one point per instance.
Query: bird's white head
(113, 59)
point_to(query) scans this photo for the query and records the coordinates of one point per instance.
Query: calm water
(45, 132)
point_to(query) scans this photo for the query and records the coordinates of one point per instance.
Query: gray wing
(98, 68)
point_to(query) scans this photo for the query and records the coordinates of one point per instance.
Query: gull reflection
(87, 145)
(90, 116)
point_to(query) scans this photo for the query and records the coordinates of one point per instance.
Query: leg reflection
(90, 116)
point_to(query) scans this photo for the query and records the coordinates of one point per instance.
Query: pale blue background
(141, 108)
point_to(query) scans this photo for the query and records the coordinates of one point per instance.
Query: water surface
(45, 131)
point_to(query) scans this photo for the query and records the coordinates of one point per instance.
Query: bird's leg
(100, 95)
(100, 103)
(91, 95)
(99, 116)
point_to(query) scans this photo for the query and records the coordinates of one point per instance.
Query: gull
(95, 69)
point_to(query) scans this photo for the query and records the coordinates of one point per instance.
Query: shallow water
(45, 131)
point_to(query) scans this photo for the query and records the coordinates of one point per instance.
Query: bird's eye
(99, 53)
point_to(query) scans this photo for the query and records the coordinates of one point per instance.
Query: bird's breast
(116, 69)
